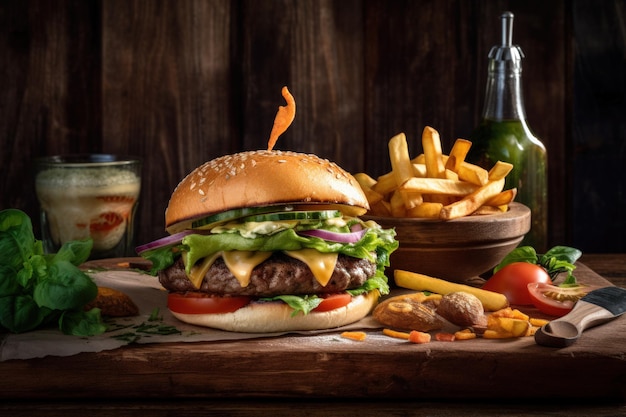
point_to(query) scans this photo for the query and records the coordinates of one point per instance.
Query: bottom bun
(273, 317)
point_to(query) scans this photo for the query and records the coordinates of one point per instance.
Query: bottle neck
(503, 96)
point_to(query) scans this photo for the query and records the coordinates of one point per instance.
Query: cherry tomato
(513, 279)
(199, 303)
(333, 301)
(554, 300)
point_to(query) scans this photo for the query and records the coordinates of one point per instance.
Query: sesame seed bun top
(261, 178)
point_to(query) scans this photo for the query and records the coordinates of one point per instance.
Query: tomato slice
(554, 300)
(200, 303)
(333, 301)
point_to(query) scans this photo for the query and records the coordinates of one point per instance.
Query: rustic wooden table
(305, 376)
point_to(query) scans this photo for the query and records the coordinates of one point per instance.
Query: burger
(270, 241)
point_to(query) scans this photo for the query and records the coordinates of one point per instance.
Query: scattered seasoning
(152, 326)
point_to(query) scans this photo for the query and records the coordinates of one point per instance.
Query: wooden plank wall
(181, 82)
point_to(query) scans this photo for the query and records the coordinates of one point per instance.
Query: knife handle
(564, 331)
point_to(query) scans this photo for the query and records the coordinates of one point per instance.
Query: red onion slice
(350, 237)
(165, 241)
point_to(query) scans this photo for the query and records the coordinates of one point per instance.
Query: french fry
(431, 143)
(402, 168)
(494, 334)
(465, 334)
(470, 203)
(385, 184)
(399, 156)
(511, 313)
(505, 327)
(499, 170)
(433, 182)
(398, 208)
(438, 186)
(396, 334)
(457, 154)
(357, 336)
(427, 210)
(473, 173)
(531, 330)
(411, 201)
(382, 209)
(419, 170)
(421, 159)
(366, 182)
(492, 301)
(538, 322)
(503, 198)
(451, 175)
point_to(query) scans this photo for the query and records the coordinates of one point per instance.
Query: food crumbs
(445, 337)
(396, 334)
(358, 336)
(419, 337)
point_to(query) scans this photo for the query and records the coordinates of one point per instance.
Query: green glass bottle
(503, 134)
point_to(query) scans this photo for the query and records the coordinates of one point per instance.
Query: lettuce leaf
(36, 288)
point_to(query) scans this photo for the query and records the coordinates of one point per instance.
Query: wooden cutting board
(330, 366)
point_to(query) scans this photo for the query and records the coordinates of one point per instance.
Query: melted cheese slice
(199, 270)
(241, 264)
(321, 264)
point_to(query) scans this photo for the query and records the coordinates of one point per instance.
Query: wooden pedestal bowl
(456, 250)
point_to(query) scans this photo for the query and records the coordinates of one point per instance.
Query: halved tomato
(199, 303)
(333, 301)
(554, 300)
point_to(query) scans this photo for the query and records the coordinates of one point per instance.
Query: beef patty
(278, 275)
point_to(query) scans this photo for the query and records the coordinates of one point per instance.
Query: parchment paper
(147, 293)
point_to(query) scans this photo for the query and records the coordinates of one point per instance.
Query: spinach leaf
(36, 288)
(17, 241)
(20, 313)
(82, 323)
(65, 288)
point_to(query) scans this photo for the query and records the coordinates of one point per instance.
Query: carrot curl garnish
(284, 117)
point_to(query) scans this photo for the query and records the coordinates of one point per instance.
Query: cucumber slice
(293, 215)
(226, 216)
(213, 220)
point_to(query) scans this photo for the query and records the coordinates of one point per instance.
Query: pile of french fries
(434, 185)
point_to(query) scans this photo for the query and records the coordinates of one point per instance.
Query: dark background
(181, 82)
